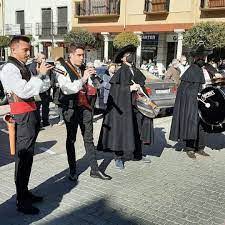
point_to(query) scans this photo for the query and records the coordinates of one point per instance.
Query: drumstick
(207, 105)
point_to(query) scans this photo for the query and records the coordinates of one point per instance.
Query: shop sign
(150, 39)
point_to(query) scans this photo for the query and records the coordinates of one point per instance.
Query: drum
(146, 106)
(211, 105)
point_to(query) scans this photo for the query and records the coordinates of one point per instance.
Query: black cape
(117, 132)
(185, 115)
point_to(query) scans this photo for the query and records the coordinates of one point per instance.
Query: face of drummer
(77, 57)
(21, 51)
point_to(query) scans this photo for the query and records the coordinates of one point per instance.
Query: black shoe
(191, 154)
(202, 152)
(34, 198)
(27, 209)
(137, 158)
(100, 175)
(73, 177)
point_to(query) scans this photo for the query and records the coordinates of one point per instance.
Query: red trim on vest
(91, 90)
(22, 107)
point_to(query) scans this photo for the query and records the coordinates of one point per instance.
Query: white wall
(32, 11)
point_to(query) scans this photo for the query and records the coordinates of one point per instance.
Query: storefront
(149, 46)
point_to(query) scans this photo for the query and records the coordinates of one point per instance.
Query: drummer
(125, 129)
(186, 125)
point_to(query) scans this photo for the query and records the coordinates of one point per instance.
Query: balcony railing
(156, 6)
(47, 30)
(211, 5)
(88, 8)
(18, 29)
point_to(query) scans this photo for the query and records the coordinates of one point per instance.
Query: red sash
(22, 107)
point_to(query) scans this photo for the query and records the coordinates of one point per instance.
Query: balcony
(97, 8)
(18, 29)
(156, 7)
(212, 5)
(48, 30)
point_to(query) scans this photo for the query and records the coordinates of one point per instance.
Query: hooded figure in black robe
(124, 128)
(186, 124)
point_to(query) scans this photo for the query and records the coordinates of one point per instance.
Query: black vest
(25, 72)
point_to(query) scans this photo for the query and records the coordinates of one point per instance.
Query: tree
(82, 37)
(125, 38)
(4, 42)
(211, 33)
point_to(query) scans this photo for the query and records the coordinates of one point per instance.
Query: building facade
(159, 24)
(46, 21)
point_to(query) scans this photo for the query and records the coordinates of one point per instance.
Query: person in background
(105, 87)
(222, 65)
(56, 97)
(144, 65)
(183, 66)
(173, 72)
(45, 96)
(150, 65)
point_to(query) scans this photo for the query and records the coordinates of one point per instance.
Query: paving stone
(171, 190)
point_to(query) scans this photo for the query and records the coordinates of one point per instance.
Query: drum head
(213, 111)
(146, 109)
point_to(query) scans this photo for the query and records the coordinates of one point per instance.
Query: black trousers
(199, 143)
(45, 101)
(27, 128)
(84, 118)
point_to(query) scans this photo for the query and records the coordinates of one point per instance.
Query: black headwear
(200, 50)
(122, 51)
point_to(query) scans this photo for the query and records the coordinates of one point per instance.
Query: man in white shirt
(77, 110)
(20, 88)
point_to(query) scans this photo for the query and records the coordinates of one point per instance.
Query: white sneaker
(146, 159)
(61, 122)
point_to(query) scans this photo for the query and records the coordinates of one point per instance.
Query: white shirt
(66, 85)
(207, 78)
(12, 81)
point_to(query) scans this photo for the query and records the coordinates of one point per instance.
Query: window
(62, 20)
(47, 22)
(20, 20)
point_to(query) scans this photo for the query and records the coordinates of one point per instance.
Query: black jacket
(185, 115)
(117, 132)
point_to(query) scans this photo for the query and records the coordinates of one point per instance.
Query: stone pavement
(173, 189)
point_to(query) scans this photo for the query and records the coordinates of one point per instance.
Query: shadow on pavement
(83, 163)
(97, 212)
(160, 143)
(216, 141)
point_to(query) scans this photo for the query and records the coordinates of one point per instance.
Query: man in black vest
(77, 109)
(21, 88)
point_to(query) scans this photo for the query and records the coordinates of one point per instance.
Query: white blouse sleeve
(66, 85)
